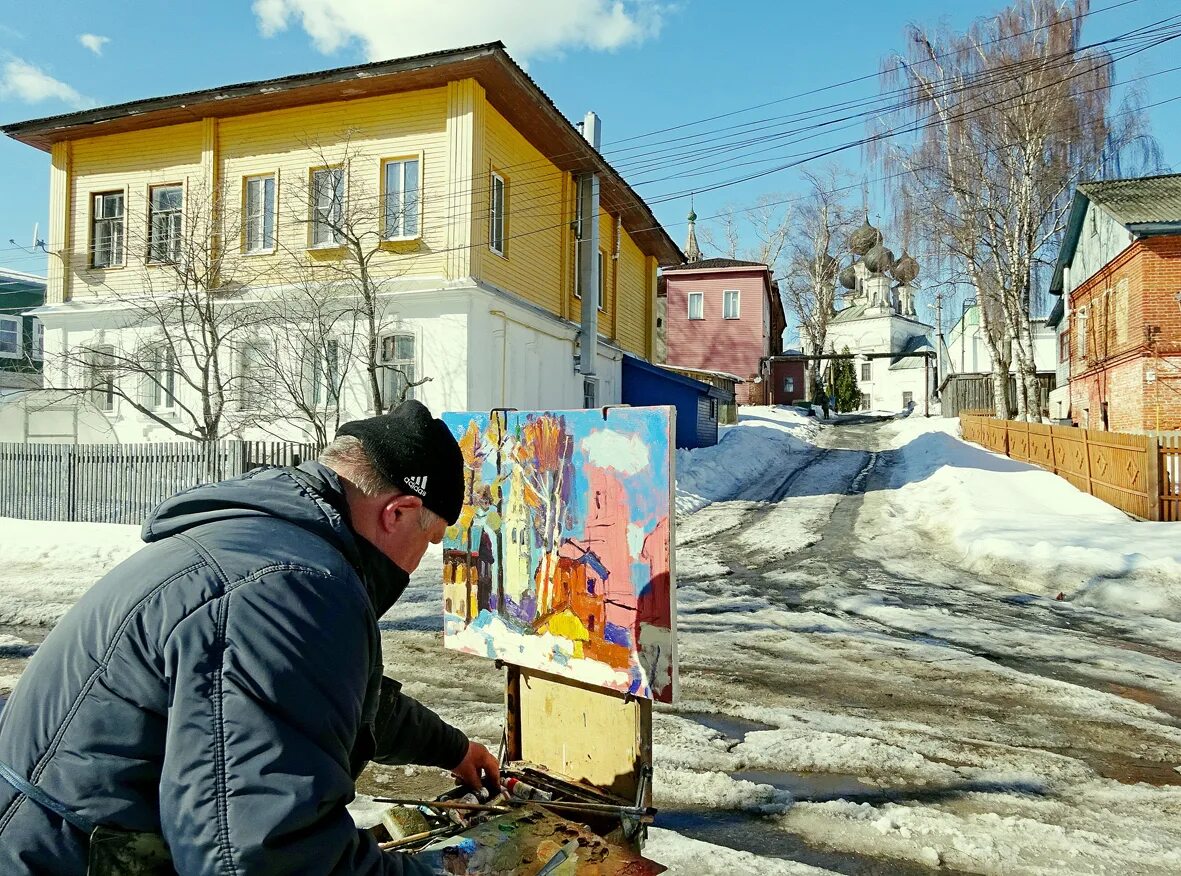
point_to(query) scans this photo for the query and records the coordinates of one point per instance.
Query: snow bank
(48, 565)
(764, 442)
(1005, 517)
(689, 857)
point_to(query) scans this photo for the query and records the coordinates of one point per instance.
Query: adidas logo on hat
(418, 484)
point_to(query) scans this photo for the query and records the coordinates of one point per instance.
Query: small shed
(724, 381)
(698, 404)
(787, 381)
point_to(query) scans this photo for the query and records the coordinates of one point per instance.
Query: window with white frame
(327, 206)
(402, 201)
(10, 337)
(399, 365)
(254, 360)
(496, 215)
(696, 305)
(101, 360)
(260, 213)
(159, 378)
(38, 340)
(730, 304)
(107, 230)
(322, 374)
(164, 217)
(867, 371)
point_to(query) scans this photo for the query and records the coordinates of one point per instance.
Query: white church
(879, 317)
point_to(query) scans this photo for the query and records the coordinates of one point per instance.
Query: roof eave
(1074, 227)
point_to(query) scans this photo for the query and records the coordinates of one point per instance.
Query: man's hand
(476, 764)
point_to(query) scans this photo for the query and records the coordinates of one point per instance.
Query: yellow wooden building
(456, 166)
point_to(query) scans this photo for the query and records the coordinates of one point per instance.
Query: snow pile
(47, 566)
(1006, 518)
(766, 443)
(689, 857)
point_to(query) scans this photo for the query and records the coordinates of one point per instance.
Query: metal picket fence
(122, 483)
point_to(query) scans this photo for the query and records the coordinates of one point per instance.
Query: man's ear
(396, 506)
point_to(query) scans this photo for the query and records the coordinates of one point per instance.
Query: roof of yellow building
(508, 88)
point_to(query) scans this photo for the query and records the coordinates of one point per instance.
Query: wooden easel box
(595, 741)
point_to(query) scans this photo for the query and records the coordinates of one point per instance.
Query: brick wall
(1131, 332)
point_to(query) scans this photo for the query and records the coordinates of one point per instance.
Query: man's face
(401, 537)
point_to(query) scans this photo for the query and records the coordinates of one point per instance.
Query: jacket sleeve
(267, 685)
(406, 731)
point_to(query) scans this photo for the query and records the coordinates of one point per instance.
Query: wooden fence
(122, 483)
(1136, 473)
(962, 393)
(1169, 453)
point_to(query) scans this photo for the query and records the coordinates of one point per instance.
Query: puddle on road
(813, 787)
(729, 726)
(759, 836)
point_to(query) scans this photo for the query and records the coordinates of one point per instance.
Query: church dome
(879, 260)
(906, 269)
(848, 278)
(864, 238)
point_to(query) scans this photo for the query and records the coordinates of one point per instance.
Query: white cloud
(607, 448)
(22, 81)
(397, 28)
(94, 42)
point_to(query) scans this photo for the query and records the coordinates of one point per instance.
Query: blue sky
(643, 65)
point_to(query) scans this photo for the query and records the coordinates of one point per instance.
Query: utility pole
(587, 235)
(938, 337)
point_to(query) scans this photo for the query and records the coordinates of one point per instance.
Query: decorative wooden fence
(1135, 473)
(122, 483)
(1169, 452)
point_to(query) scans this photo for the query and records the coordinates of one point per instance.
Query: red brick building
(1119, 319)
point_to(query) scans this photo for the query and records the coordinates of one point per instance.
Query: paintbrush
(416, 837)
(443, 804)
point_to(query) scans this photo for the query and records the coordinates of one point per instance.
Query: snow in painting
(561, 558)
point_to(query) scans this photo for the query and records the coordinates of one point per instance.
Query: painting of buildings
(561, 559)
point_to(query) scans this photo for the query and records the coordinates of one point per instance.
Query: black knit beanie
(416, 453)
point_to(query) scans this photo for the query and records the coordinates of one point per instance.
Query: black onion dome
(879, 260)
(848, 278)
(906, 270)
(864, 238)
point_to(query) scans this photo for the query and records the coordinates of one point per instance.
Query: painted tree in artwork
(544, 449)
(474, 450)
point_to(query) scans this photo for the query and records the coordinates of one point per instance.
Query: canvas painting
(561, 560)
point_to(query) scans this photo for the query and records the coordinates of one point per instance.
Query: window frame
(156, 396)
(337, 239)
(19, 329)
(602, 291)
(1081, 331)
(248, 219)
(392, 366)
(493, 217)
(737, 303)
(866, 371)
(383, 182)
(38, 348)
(700, 298)
(248, 399)
(170, 258)
(93, 229)
(110, 403)
(321, 389)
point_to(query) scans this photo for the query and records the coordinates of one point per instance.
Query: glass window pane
(404, 347)
(268, 213)
(410, 201)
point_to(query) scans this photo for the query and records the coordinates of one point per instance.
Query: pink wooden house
(722, 315)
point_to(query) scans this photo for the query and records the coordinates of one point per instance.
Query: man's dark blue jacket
(221, 687)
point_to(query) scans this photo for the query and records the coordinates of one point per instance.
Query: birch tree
(821, 222)
(1009, 116)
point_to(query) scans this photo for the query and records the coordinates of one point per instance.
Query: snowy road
(854, 700)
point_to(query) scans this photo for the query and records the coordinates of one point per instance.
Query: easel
(595, 741)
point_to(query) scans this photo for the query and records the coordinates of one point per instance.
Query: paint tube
(520, 791)
(457, 815)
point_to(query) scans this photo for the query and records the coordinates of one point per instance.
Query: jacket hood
(310, 496)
